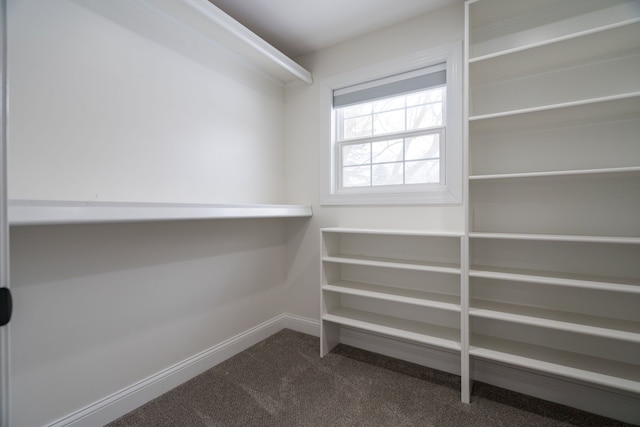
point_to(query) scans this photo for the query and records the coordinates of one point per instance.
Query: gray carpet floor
(282, 381)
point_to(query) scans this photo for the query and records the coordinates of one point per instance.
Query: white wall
(102, 112)
(99, 112)
(308, 132)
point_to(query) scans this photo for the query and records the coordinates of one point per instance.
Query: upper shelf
(205, 23)
(42, 212)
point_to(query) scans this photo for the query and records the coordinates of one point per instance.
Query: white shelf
(618, 106)
(608, 171)
(158, 20)
(556, 238)
(529, 27)
(389, 293)
(565, 51)
(426, 233)
(609, 373)
(42, 212)
(442, 267)
(560, 320)
(422, 333)
(557, 279)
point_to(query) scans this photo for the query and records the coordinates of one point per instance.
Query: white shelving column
(396, 283)
(553, 118)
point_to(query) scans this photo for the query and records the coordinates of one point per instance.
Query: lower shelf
(388, 293)
(418, 332)
(554, 319)
(617, 375)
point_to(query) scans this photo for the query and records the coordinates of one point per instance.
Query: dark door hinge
(6, 306)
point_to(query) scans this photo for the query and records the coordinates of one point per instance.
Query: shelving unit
(553, 118)
(47, 212)
(399, 284)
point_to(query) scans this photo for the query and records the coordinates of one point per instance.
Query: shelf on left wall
(49, 212)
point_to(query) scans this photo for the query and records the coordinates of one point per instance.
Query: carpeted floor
(282, 381)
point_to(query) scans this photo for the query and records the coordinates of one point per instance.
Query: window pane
(422, 147)
(425, 96)
(356, 176)
(387, 151)
(357, 127)
(422, 172)
(356, 110)
(388, 104)
(387, 174)
(356, 154)
(424, 116)
(391, 121)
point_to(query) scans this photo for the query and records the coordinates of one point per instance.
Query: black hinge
(6, 306)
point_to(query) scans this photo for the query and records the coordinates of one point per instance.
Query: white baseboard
(609, 403)
(116, 405)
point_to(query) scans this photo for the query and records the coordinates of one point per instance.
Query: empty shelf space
(499, 30)
(423, 333)
(41, 212)
(584, 109)
(389, 293)
(439, 267)
(556, 278)
(580, 367)
(613, 37)
(561, 320)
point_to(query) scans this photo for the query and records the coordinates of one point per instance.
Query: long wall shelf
(44, 212)
(206, 22)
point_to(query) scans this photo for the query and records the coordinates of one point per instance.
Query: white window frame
(448, 192)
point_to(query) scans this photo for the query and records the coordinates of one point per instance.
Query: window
(397, 138)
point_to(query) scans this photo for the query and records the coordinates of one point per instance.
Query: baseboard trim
(606, 402)
(116, 405)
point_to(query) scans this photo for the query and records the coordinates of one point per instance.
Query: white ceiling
(297, 27)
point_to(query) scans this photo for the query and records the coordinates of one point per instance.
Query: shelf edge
(556, 369)
(551, 107)
(42, 212)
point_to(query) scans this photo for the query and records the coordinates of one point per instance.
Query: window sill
(440, 196)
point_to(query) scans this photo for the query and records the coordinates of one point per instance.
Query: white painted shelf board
(557, 279)
(555, 109)
(548, 26)
(402, 295)
(616, 37)
(42, 212)
(556, 238)
(423, 333)
(438, 267)
(618, 375)
(426, 233)
(608, 171)
(209, 24)
(614, 108)
(554, 319)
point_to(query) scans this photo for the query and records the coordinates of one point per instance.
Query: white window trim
(448, 193)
